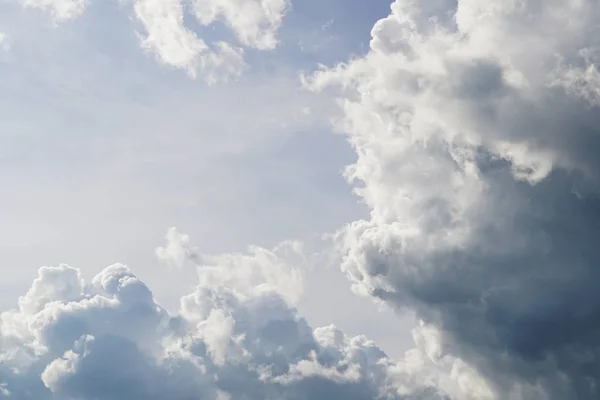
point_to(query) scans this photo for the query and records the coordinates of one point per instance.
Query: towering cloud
(477, 132)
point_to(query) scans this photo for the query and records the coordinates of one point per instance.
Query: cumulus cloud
(236, 336)
(60, 10)
(476, 129)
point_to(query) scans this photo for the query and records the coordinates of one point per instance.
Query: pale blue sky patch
(104, 144)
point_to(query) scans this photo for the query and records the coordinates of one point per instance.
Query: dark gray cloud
(477, 130)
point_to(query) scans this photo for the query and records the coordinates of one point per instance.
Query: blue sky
(103, 148)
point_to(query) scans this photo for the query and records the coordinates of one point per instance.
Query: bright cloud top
(236, 336)
(476, 129)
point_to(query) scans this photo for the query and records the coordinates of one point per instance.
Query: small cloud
(254, 22)
(4, 43)
(60, 10)
(327, 25)
(178, 249)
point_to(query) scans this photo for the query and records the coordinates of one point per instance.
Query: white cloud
(164, 33)
(60, 10)
(4, 44)
(254, 22)
(178, 249)
(259, 271)
(476, 130)
(231, 339)
(174, 44)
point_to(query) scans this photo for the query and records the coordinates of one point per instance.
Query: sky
(105, 147)
(284, 199)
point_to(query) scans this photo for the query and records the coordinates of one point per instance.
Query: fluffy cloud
(164, 33)
(60, 10)
(236, 336)
(174, 44)
(254, 22)
(476, 129)
(178, 249)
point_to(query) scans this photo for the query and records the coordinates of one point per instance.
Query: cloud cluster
(477, 132)
(236, 336)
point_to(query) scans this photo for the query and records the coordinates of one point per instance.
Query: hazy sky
(285, 199)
